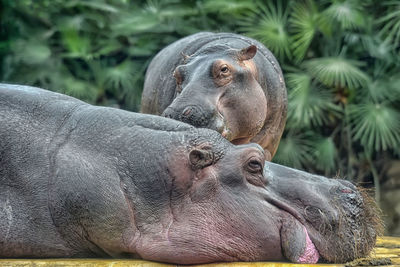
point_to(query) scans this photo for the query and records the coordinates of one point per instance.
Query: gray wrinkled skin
(78, 180)
(196, 96)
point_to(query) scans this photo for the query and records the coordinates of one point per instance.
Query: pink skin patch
(310, 254)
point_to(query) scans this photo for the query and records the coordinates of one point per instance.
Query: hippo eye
(224, 69)
(255, 176)
(254, 166)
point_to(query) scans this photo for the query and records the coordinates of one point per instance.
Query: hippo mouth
(310, 253)
(347, 232)
(307, 253)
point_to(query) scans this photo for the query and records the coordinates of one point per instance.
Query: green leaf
(80, 89)
(106, 47)
(71, 23)
(268, 24)
(32, 52)
(77, 45)
(294, 150)
(375, 46)
(303, 26)
(390, 22)
(375, 125)
(308, 104)
(120, 76)
(98, 5)
(325, 154)
(140, 21)
(233, 7)
(393, 83)
(169, 9)
(337, 72)
(142, 47)
(379, 90)
(74, 40)
(348, 13)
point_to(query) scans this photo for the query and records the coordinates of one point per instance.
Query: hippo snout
(341, 219)
(169, 113)
(355, 226)
(197, 116)
(190, 114)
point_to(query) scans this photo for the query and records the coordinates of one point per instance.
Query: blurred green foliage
(340, 59)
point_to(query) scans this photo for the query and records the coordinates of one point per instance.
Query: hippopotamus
(223, 81)
(78, 180)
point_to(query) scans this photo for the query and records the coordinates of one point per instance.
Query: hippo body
(78, 180)
(222, 81)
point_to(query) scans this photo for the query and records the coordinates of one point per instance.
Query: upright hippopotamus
(223, 81)
(78, 180)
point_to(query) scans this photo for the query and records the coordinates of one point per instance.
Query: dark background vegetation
(340, 59)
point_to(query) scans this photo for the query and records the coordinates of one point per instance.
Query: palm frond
(378, 91)
(295, 149)
(169, 9)
(374, 45)
(303, 26)
(76, 43)
(47, 73)
(96, 5)
(375, 125)
(71, 22)
(325, 154)
(79, 88)
(393, 83)
(268, 24)
(145, 20)
(390, 22)
(325, 25)
(31, 51)
(234, 7)
(308, 105)
(337, 72)
(121, 76)
(348, 13)
(106, 47)
(142, 46)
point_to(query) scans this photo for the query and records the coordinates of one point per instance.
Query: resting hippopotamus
(223, 81)
(78, 180)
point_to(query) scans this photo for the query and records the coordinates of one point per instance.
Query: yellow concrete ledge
(386, 253)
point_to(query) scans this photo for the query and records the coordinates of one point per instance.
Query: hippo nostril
(187, 111)
(342, 190)
(347, 191)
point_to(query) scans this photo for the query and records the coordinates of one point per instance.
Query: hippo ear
(247, 53)
(200, 158)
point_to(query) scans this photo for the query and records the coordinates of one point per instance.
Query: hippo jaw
(297, 242)
(341, 220)
(352, 234)
(304, 240)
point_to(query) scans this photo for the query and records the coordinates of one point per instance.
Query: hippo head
(217, 88)
(225, 203)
